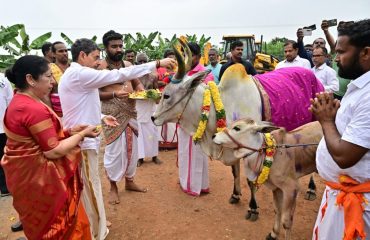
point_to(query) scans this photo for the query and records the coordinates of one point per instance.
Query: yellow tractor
(252, 52)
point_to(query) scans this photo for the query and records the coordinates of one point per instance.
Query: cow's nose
(153, 118)
(213, 136)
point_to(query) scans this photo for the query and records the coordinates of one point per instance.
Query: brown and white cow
(289, 164)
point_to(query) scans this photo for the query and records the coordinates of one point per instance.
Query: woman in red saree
(41, 159)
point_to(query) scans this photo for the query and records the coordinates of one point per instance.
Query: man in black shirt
(236, 57)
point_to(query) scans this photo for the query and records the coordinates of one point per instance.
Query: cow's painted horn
(181, 64)
(188, 56)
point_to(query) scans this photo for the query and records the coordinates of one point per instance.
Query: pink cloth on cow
(290, 90)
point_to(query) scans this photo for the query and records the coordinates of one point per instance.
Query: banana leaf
(6, 37)
(67, 39)
(11, 50)
(40, 40)
(25, 40)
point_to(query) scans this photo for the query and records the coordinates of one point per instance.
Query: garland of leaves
(220, 111)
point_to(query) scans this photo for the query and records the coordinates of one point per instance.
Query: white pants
(92, 196)
(193, 165)
(116, 162)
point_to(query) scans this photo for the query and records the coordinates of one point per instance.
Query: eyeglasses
(319, 55)
(142, 61)
(319, 43)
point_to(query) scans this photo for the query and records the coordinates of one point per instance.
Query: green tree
(276, 47)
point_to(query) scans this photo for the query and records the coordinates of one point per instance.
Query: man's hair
(109, 36)
(83, 45)
(194, 48)
(130, 51)
(140, 56)
(291, 42)
(319, 38)
(168, 52)
(46, 48)
(213, 49)
(358, 33)
(324, 50)
(235, 44)
(53, 46)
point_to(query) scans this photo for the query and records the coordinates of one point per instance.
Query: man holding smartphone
(319, 42)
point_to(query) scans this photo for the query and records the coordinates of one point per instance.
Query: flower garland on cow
(269, 158)
(213, 93)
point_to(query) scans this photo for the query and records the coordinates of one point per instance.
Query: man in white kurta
(192, 161)
(344, 150)
(79, 95)
(291, 57)
(326, 75)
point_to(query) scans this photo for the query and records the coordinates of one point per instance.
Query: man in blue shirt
(214, 66)
(236, 57)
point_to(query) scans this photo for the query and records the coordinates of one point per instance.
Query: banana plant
(15, 41)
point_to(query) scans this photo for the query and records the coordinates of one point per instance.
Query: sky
(270, 18)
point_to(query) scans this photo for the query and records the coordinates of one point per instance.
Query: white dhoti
(148, 133)
(330, 219)
(193, 165)
(92, 196)
(116, 161)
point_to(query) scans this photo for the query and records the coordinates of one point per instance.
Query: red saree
(46, 193)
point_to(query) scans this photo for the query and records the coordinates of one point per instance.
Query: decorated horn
(188, 55)
(181, 64)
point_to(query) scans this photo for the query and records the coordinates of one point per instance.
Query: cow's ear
(265, 127)
(195, 80)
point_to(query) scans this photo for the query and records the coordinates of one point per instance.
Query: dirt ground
(165, 212)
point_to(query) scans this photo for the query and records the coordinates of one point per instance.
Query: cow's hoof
(310, 195)
(252, 215)
(234, 200)
(269, 237)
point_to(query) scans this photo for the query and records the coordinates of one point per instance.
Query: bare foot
(113, 198)
(113, 194)
(109, 224)
(131, 186)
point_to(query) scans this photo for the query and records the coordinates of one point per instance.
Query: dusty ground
(165, 212)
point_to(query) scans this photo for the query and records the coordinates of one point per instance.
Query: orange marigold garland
(219, 107)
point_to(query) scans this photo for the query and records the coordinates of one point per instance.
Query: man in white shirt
(326, 75)
(343, 156)
(6, 94)
(80, 102)
(291, 57)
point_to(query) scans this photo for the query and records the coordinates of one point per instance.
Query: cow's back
(289, 91)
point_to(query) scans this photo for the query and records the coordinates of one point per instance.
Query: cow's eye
(236, 128)
(166, 96)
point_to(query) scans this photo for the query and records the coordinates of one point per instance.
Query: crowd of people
(56, 110)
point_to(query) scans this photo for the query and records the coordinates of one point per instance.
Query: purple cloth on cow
(290, 90)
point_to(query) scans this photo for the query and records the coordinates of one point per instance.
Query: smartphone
(312, 27)
(307, 32)
(332, 22)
